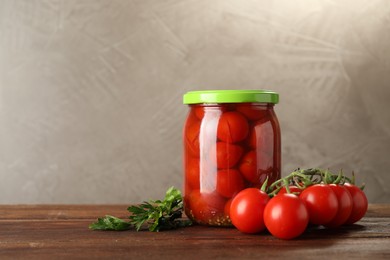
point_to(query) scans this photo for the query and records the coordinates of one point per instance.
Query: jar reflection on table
(227, 148)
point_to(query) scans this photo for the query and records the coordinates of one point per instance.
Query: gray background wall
(90, 91)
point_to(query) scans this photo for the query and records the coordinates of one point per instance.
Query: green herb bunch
(156, 215)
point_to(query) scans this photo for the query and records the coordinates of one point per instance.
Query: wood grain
(61, 231)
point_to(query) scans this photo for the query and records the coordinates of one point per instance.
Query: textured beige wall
(90, 91)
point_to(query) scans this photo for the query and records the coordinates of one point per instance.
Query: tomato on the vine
(321, 203)
(359, 203)
(232, 127)
(345, 205)
(293, 189)
(286, 216)
(229, 182)
(246, 210)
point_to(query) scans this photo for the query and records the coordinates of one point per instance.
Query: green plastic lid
(230, 96)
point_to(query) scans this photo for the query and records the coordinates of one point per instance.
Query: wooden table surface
(61, 231)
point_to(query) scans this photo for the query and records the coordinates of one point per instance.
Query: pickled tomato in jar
(231, 142)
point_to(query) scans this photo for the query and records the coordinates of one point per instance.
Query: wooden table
(61, 231)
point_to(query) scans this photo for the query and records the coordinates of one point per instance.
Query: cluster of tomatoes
(228, 148)
(287, 214)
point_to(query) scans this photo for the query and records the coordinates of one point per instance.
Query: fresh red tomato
(286, 216)
(205, 207)
(252, 112)
(359, 203)
(226, 155)
(345, 206)
(246, 210)
(321, 202)
(232, 127)
(192, 173)
(293, 189)
(229, 182)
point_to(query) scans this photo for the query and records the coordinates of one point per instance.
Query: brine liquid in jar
(231, 142)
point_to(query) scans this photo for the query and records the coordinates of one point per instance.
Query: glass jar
(231, 142)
